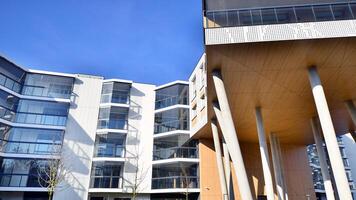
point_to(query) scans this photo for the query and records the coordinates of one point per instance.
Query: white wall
(140, 132)
(79, 138)
(199, 75)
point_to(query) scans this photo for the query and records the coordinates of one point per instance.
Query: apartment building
(279, 76)
(115, 138)
(314, 163)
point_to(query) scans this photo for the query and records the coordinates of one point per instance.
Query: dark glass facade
(106, 175)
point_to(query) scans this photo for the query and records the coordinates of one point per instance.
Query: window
(194, 111)
(286, 15)
(269, 16)
(304, 14)
(323, 13)
(245, 17)
(48, 86)
(256, 17)
(342, 11)
(194, 86)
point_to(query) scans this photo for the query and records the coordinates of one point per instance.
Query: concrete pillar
(227, 168)
(327, 126)
(351, 109)
(278, 168)
(219, 160)
(231, 137)
(267, 175)
(322, 159)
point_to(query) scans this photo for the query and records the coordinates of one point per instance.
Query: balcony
(280, 15)
(37, 148)
(109, 150)
(113, 124)
(114, 182)
(41, 91)
(10, 83)
(20, 180)
(175, 152)
(41, 119)
(170, 101)
(171, 126)
(175, 182)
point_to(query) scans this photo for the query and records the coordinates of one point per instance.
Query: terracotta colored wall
(298, 173)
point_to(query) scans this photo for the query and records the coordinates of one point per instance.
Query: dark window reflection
(245, 17)
(286, 15)
(269, 16)
(323, 13)
(304, 14)
(342, 11)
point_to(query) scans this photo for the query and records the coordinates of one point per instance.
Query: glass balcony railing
(20, 180)
(113, 124)
(41, 91)
(175, 100)
(175, 152)
(115, 98)
(171, 126)
(30, 118)
(109, 150)
(10, 83)
(106, 182)
(37, 148)
(175, 182)
(280, 15)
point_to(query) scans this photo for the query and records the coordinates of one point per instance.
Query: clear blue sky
(150, 41)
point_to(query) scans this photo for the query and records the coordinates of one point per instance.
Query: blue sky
(149, 41)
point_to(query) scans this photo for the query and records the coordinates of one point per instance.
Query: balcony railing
(20, 180)
(170, 101)
(281, 15)
(175, 152)
(113, 124)
(115, 98)
(109, 150)
(171, 126)
(37, 148)
(106, 182)
(41, 91)
(42, 119)
(10, 83)
(175, 182)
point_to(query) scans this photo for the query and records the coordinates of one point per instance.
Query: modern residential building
(115, 138)
(279, 76)
(316, 170)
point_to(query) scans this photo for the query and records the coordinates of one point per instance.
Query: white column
(277, 168)
(322, 159)
(219, 162)
(231, 137)
(352, 110)
(327, 126)
(227, 167)
(267, 175)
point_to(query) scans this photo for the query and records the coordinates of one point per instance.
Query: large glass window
(173, 176)
(42, 112)
(30, 141)
(174, 147)
(286, 15)
(171, 120)
(115, 92)
(8, 104)
(113, 118)
(172, 95)
(106, 175)
(48, 86)
(19, 172)
(11, 76)
(109, 145)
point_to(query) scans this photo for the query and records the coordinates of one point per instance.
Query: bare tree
(51, 173)
(140, 172)
(185, 182)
